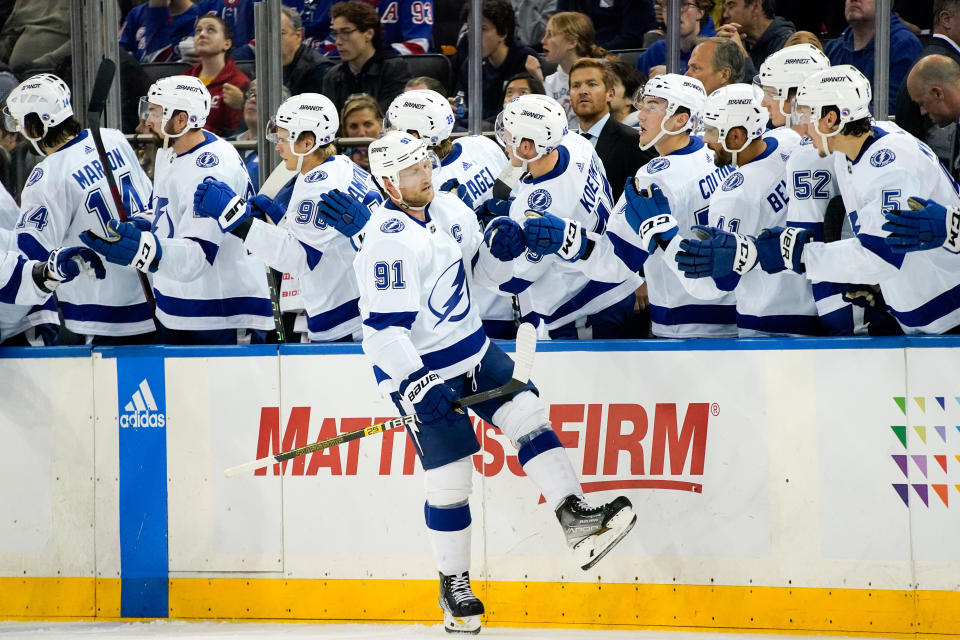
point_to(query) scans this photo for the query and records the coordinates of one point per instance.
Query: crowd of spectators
(589, 55)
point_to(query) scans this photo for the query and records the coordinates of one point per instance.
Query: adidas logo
(88, 149)
(467, 165)
(142, 410)
(580, 166)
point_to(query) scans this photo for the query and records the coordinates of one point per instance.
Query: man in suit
(592, 89)
(934, 84)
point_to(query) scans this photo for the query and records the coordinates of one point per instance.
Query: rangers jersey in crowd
(151, 34)
(407, 25)
(416, 284)
(206, 279)
(67, 194)
(317, 254)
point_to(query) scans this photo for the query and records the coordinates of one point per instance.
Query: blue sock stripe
(447, 518)
(542, 443)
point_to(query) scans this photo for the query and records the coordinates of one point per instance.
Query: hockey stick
(98, 100)
(271, 187)
(522, 366)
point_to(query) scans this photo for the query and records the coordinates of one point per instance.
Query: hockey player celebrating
(303, 244)
(749, 200)
(565, 178)
(422, 254)
(469, 166)
(66, 195)
(877, 172)
(209, 290)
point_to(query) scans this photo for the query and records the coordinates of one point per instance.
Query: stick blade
(248, 466)
(526, 350)
(101, 85)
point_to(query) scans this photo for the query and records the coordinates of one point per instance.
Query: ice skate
(461, 609)
(592, 531)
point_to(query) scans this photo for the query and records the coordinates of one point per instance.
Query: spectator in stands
(855, 46)
(946, 42)
(934, 84)
(250, 157)
(753, 25)
(503, 56)
(617, 145)
(626, 81)
(153, 30)
(361, 117)
(366, 66)
(522, 84)
(238, 14)
(303, 67)
(569, 37)
(532, 16)
(426, 82)
(36, 35)
(716, 62)
(407, 26)
(695, 23)
(213, 41)
(620, 24)
(803, 37)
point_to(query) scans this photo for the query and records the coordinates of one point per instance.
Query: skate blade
(592, 549)
(462, 624)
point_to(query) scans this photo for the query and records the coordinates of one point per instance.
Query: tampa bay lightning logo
(657, 164)
(35, 175)
(207, 160)
(540, 200)
(392, 226)
(316, 176)
(450, 298)
(734, 181)
(882, 158)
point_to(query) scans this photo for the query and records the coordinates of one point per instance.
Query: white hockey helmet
(178, 93)
(843, 87)
(421, 110)
(306, 113)
(787, 69)
(678, 91)
(732, 106)
(393, 153)
(45, 95)
(533, 117)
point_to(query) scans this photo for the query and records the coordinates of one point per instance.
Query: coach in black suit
(591, 91)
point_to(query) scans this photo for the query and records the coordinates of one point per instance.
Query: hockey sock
(547, 464)
(449, 529)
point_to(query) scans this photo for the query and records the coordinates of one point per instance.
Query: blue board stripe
(141, 397)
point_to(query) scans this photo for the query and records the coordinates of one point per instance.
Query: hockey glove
(779, 248)
(505, 238)
(144, 224)
(217, 200)
(494, 208)
(429, 395)
(644, 204)
(927, 225)
(264, 207)
(547, 233)
(65, 264)
(716, 254)
(342, 212)
(453, 186)
(126, 246)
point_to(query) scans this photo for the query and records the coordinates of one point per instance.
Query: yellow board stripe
(866, 612)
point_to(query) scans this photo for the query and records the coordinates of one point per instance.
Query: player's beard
(722, 157)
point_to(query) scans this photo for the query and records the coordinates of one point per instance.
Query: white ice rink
(210, 630)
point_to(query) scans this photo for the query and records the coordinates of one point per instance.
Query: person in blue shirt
(695, 23)
(153, 30)
(856, 45)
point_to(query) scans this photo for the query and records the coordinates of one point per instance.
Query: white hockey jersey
(416, 284)
(17, 288)
(751, 199)
(921, 289)
(9, 211)
(559, 292)
(67, 194)
(787, 140)
(320, 256)
(475, 162)
(206, 279)
(687, 177)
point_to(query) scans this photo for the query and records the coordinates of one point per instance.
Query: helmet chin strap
(733, 153)
(664, 132)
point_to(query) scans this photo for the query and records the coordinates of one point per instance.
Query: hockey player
(670, 107)
(750, 199)
(469, 166)
(303, 244)
(565, 178)
(209, 290)
(877, 172)
(421, 256)
(67, 194)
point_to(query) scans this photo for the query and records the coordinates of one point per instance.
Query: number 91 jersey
(67, 194)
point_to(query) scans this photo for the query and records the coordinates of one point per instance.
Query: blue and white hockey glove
(144, 224)
(126, 246)
(505, 238)
(927, 225)
(342, 212)
(716, 254)
(453, 186)
(494, 208)
(265, 208)
(217, 200)
(546, 233)
(779, 248)
(430, 396)
(65, 264)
